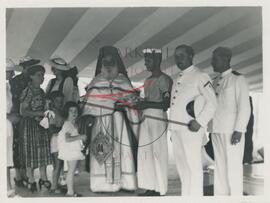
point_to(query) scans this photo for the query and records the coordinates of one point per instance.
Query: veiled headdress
(116, 58)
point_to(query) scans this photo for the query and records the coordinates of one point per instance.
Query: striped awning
(76, 34)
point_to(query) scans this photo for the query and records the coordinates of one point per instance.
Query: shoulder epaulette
(236, 73)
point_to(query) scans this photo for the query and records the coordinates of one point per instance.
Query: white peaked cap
(152, 50)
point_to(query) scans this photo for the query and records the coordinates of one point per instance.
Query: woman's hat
(59, 64)
(11, 66)
(27, 61)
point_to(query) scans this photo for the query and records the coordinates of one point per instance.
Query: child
(70, 144)
(57, 99)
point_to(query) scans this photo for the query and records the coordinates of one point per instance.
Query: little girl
(70, 144)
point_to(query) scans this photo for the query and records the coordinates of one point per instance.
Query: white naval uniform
(187, 146)
(232, 114)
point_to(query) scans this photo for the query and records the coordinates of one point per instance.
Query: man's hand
(118, 106)
(194, 126)
(236, 137)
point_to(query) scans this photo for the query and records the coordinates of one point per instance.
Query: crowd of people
(122, 135)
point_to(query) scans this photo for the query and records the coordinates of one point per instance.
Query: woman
(17, 85)
(34, 140)
(112, 154)
(65, 80)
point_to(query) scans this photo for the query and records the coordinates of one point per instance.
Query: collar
(226, 72)
(189, 69)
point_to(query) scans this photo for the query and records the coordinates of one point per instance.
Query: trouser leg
(194, 158)
(187, 152)
(235, 155)
(181, 163)
(221, 184)
(160, 149)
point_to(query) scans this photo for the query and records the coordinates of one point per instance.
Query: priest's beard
(109, 72)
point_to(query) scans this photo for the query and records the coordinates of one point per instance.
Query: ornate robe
(113, 135)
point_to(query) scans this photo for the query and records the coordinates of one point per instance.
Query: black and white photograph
(134, 101)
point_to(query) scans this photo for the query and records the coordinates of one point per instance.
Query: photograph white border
(139, 3)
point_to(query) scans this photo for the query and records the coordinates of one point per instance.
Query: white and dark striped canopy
(76, 34)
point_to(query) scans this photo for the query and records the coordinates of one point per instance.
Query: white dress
(69, 151)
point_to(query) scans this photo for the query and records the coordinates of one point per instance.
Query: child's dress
(69, 151)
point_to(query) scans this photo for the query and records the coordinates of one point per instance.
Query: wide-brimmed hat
(11, 66)
(27, 61)
(59, 64)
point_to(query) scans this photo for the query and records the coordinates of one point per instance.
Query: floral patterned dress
(34, 139)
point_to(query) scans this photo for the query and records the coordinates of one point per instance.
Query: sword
(145, 116)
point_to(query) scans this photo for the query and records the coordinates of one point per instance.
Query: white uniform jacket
(233, 109)
(191, 84)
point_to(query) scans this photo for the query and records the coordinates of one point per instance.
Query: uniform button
(173, 97)
(217, 94)
(178, 83)
(172, 103)
(176, 90)
(218, 84)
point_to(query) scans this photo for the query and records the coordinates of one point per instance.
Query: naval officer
(191, 85)
(229, 124)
